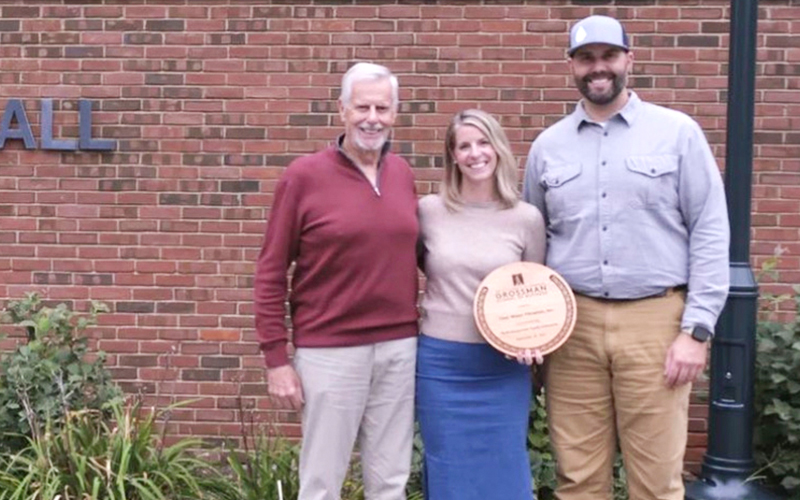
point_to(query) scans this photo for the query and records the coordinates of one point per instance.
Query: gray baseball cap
(597, 29)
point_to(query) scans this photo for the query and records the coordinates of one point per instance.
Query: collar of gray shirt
(627, 114)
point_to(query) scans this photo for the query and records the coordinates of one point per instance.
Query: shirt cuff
(688, 324)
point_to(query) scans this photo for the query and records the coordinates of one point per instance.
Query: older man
(637, 224)
(346, 217)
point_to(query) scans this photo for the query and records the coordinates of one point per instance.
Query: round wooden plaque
(524, 305)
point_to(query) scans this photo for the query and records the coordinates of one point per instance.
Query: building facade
(191, 110)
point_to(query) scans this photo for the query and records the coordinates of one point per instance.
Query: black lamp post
(729, 458)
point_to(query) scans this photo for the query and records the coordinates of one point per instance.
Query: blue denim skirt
(472, 406)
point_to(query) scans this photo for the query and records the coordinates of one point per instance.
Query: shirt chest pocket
(652, 181)
(561, 183)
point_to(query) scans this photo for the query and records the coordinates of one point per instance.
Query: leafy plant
(777, 402)
(353, 487)
(620, 484)
(266, 468)
(414, 486)
(543, 464)
(270, 466)
(96, 458)
(51, 374)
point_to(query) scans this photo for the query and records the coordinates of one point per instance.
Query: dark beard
(617, 85)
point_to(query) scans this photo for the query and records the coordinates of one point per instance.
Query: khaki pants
(607, 383)
(365, 393)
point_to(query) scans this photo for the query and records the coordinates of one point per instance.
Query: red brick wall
(210, 101)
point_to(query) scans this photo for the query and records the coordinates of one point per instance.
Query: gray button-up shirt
(633, 206)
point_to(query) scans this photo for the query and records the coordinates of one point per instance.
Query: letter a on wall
(15, 110)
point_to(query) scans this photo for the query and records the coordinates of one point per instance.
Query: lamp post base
(731, 488)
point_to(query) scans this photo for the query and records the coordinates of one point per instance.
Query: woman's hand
(527, 357)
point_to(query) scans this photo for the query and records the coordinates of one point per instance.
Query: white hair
(367, 71)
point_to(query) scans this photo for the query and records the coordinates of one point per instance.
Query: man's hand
(285, 388)
(686, 359)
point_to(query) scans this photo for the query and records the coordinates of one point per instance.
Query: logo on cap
(580, 35)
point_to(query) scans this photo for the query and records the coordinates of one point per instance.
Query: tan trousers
(607, 383)
(365, 393)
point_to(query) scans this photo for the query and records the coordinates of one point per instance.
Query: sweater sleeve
(535, 237)
(270, 283)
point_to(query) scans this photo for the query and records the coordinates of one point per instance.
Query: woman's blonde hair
(505, 175)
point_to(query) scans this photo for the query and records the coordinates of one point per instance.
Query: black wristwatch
(701, 334)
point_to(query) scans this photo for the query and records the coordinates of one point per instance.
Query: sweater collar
(340, 147)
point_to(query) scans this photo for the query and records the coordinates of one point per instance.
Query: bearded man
(637, 224)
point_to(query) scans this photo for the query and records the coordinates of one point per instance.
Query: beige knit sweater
(461, 248)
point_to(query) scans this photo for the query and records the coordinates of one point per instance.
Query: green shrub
(269, 466)
(543, 464)
(50, 375)
(777, 402)
(93, 457)
(414, 486)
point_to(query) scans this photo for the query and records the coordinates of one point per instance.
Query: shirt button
(603, 195)
(605, 228)
(605, 262)
(605, 294)
(605, 134)
(604, 163)
(652, 171)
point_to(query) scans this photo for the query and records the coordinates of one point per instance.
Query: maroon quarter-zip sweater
(355, 278)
